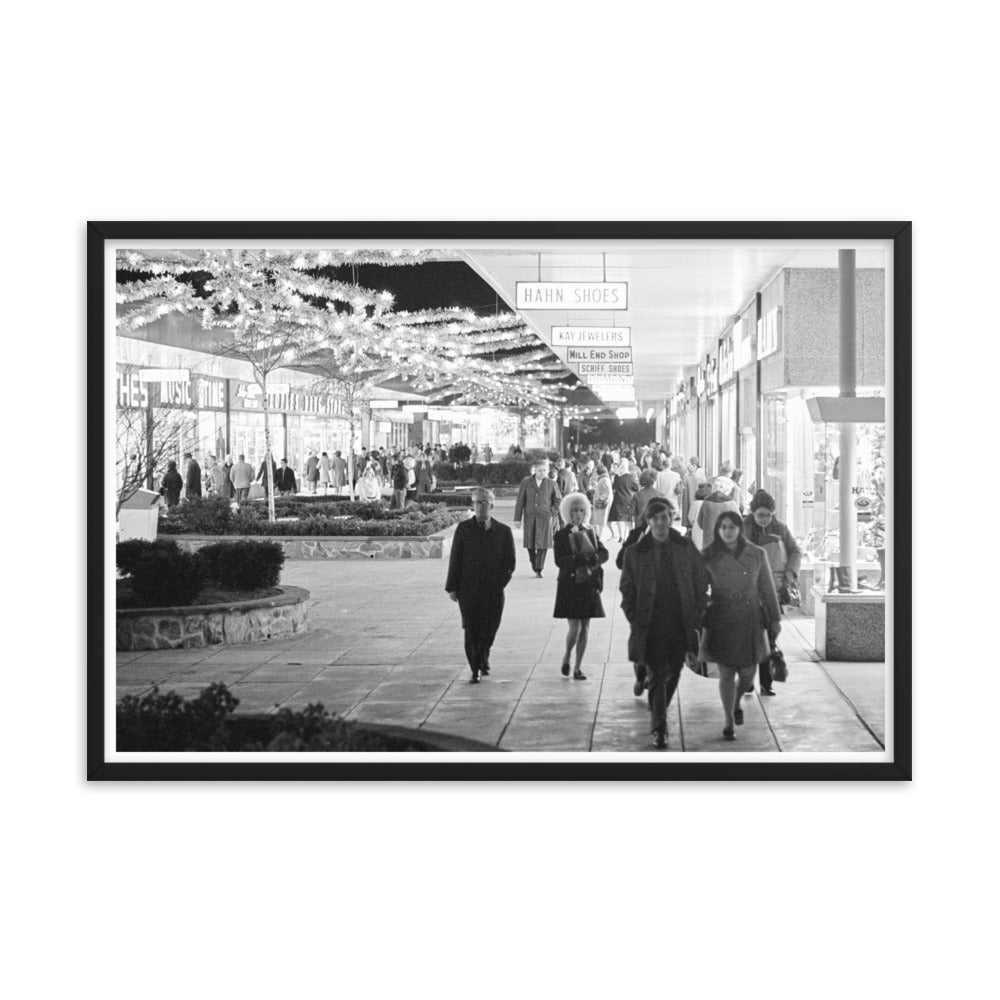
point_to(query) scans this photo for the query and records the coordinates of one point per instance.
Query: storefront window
(727, 427)
(775, 457)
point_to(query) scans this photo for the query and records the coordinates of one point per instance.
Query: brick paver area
(385, 644)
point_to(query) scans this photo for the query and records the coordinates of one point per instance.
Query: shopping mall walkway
(385, 645)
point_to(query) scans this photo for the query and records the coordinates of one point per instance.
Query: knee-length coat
(536, 507)
(481, 565)
(577, 600)
(744, 604)
(623, 500)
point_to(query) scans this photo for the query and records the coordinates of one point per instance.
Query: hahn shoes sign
(574, 295)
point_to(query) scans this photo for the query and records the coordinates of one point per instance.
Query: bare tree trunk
(268, 473)
(350, 461)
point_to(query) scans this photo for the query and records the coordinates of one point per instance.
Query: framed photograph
(499, 501)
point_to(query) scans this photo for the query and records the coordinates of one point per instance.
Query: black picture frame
(900, 767)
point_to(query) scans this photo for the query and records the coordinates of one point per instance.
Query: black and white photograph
(584, 497)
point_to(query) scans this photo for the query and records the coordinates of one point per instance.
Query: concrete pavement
(385, 645)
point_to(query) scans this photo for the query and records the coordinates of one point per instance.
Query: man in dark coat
(284, 481)
(192, 476)
(538, 503)
(664, 587)
(481, 565)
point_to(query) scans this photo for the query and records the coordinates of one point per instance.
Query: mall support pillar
(847, 575)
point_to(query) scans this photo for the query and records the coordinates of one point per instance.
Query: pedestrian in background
(743, 614)
(242, 478)
(312, 471)
(579, 554)
(602, 499)
(538, 505)
(693, 478)
(697, 535)
(647, 490)
(284, 481)
(192, 477)
(481, 565)
(621, 514)
(717, 502)
(172, 484)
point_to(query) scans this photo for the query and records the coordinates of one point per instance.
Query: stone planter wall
(850, 627)
(339, 547)
(214, 624)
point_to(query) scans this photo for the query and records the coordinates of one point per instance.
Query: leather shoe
(474, 679)
(565, 669)
(738, 716)
(485, 670)
(579, 675)
(660, 740)
(638, 687)
(728, 734)
(767, 692)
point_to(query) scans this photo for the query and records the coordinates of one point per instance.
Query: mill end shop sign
(598, 355)
(573, 295)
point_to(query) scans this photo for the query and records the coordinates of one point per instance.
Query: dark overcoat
(744, 604)
(638, 589)
(535, 508)
(171, 486)
(623, 499)
(481, 565)
(577, 600)
(192, 479)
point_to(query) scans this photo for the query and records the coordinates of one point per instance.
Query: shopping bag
(257, 492)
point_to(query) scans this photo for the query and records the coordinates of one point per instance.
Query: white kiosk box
(139, 515)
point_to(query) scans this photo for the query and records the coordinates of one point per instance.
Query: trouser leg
(472, 652)
(540, 559)
(764, 670)
(663, 680)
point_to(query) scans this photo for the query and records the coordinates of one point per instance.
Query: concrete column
(848, 576)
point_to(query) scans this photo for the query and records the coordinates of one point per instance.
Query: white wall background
(508, 111)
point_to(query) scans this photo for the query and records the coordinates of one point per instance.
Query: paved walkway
(385, 645)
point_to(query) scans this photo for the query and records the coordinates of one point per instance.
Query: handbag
(789, 595)
(776, 661)
(256, 492)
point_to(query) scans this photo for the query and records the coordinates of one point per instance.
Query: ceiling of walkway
(679, 301)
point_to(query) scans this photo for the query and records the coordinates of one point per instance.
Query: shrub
(244, 565)
(129, 552)
(169, 722)
(494, 474)
(198, 516)
(162, 578)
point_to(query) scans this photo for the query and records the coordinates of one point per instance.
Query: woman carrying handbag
(742, 614)
(579, 555)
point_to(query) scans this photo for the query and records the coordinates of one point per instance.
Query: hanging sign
(605, 368)
(743, 345)
(591, 336)
(588, 355)
(627, 412)
(616, 393)
(572, 295)
(382, 404)
(769, 333)
(727, 370)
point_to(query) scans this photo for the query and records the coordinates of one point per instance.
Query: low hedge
(169, 722)
(506, 473)
(163, 575)
(207, 517)
(130, 552)
(244, 565)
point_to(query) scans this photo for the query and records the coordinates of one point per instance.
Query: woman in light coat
(742, 615)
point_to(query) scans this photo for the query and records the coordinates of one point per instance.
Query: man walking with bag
(538, 503)
(481, 565)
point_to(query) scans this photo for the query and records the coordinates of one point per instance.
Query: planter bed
(195, 626)
(435, 546)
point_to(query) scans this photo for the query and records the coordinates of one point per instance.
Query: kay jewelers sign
(591, 336)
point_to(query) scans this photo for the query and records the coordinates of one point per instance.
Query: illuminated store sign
(572, 295)
(769, 333)
(743, 345)
(726, 369)
(606, 368)
(591, 336)
(592, 355)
